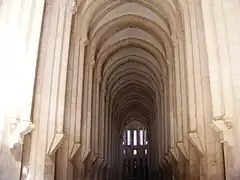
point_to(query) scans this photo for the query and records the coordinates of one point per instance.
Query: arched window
(128, 137)
(141, 137)
(146, 151)
(135, 137)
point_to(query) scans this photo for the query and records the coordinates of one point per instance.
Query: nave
(120, 90)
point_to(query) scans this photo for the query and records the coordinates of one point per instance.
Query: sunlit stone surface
(119, 89)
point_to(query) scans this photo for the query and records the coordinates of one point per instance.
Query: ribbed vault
(94, 73)
(129, 60)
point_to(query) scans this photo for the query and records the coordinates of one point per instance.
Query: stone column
(97, 125)
(109, 135)
(103, 132)
(182, 146)
(172, 101)
(161, 155)
(50, 91)
(174, 79)
(87, 136)
(106, 134)
(113, 149)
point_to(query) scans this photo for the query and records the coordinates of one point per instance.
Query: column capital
(164, 77)
(223, 124)
(92, 63)
(74, 7)
(107, 98)
(18, 129)
(99, 79)
(225, 119)
(49, 2)
(174, 40)
(180, 8)
(83, 40)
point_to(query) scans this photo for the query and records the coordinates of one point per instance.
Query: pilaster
(49, 101)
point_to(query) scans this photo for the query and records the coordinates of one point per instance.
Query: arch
(95, 8)
(132, 53)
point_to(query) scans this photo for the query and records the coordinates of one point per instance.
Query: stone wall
(70, 87)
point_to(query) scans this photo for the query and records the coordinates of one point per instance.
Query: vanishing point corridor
(119, 90)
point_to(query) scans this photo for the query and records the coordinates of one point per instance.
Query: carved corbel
(181, 9)
(174, 41)
(48, 2)
(107, 97)
(19, 128)
(92, 64)
(99, 162)
(167, 158)
(56, 143)
(84, 41)
(86, 155)
(104, 163)
(174, 154)
(166, 161)
(223, 125)
(75, 7)
(196, 142)
(74, 150)
(225, 119)
(94, 158)
(183, 150)
(99, 79)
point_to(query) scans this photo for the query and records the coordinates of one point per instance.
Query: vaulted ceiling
(131, 42)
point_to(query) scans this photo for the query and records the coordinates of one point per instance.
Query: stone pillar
(180, 51)
(103, 131)
(161, 155)
(199, 98)
(166, 132)
(50, 91)
(108, 108)
(175, 100)
(97, 123)
(107, 132)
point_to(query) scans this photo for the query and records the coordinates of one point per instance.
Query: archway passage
(86, 70)
(126, 78)
(128, 61)
(132, 61)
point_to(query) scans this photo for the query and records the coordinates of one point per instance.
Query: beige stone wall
(172, 65)
(20, 27)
